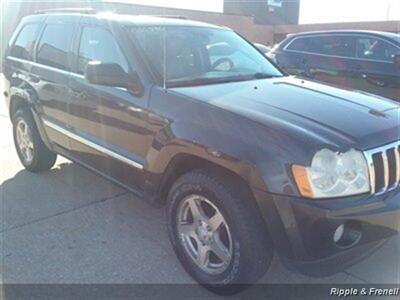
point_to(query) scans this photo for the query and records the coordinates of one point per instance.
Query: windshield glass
(186, 56)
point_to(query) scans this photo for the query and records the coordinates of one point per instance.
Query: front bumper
(303, 230)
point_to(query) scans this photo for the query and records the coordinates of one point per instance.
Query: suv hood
(344, 117)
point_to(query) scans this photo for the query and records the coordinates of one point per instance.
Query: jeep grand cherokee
(247, 160)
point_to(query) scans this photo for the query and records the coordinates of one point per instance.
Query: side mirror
(396, 60)
(110, 74)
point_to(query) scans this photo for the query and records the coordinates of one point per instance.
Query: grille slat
(385, 170)
(397, 158)
(392, 162)
(384, 167)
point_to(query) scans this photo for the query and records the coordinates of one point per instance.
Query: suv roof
(126, 19)
(389, 35)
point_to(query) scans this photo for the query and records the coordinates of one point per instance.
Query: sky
(311, 11)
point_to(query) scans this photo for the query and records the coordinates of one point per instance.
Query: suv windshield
(188, 56)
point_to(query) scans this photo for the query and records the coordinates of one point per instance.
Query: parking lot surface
(69, 225)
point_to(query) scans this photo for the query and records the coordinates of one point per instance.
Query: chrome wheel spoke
(203, 255)
(220, 251)
(29, 144)
(29, 154)
(187, 229)
(195, 208)
(19, 134)
(216, 221)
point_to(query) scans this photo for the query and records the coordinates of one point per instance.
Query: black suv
(361, 60)
(190, 115)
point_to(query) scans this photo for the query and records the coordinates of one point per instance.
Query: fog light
(338, 233)
(347, 234)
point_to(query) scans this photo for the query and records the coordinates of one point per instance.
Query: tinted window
(24, 42)
(371, 48)
(326, 45)
(98, 44)
(54, 45)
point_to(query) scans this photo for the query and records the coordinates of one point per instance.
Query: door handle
(78, 95)
(34, 78)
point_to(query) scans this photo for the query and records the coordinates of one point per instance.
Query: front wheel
(32, 152)
(217, 233)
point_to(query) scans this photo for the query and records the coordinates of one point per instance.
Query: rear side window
(25, 41)
(54, 45)
(98, 44)
(332, 45)
(376, 49)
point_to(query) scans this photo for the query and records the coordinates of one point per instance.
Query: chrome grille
(384, 167)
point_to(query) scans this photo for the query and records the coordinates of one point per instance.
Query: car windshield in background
(189, 56)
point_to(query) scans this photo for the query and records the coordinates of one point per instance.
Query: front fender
(160, 155)
(183, 125)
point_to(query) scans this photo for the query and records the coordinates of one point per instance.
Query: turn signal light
(301, 178)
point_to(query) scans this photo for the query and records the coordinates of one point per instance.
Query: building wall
(266, 12)
(13, 11)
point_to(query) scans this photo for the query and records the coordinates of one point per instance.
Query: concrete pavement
(69, 225)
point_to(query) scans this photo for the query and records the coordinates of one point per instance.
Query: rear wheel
(32, 152)
(217, 233)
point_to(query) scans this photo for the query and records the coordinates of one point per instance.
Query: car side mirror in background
(111, 74)
(396, 60)
(264, 49)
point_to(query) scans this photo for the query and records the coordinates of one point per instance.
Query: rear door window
(54, 46)
(25, 40)
(98, 44)
(332, 45)
(376, 49)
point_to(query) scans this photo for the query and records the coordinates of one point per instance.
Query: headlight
(333, 174)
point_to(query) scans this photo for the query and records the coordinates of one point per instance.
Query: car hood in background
(363, 119)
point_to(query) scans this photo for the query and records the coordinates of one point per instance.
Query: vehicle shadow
(27, 196)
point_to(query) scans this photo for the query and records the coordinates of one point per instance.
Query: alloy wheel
(204, 234)
(25, 141)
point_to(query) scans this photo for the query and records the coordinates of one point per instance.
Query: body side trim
(93, 145)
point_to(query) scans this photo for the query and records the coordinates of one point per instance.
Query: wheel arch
(19, 99)
(17, 102)
(182, 163)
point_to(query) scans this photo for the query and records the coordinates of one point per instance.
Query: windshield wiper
(206, 81)
(264, 75)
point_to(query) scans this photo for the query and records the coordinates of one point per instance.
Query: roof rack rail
(87, 10)
(168, 16)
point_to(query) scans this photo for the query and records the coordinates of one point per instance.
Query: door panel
(326, 58)
(377, 72)
(334, 70)
(110, 117)
(50, 76)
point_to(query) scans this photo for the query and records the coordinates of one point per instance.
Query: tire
(243, 231)
(32, 152)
